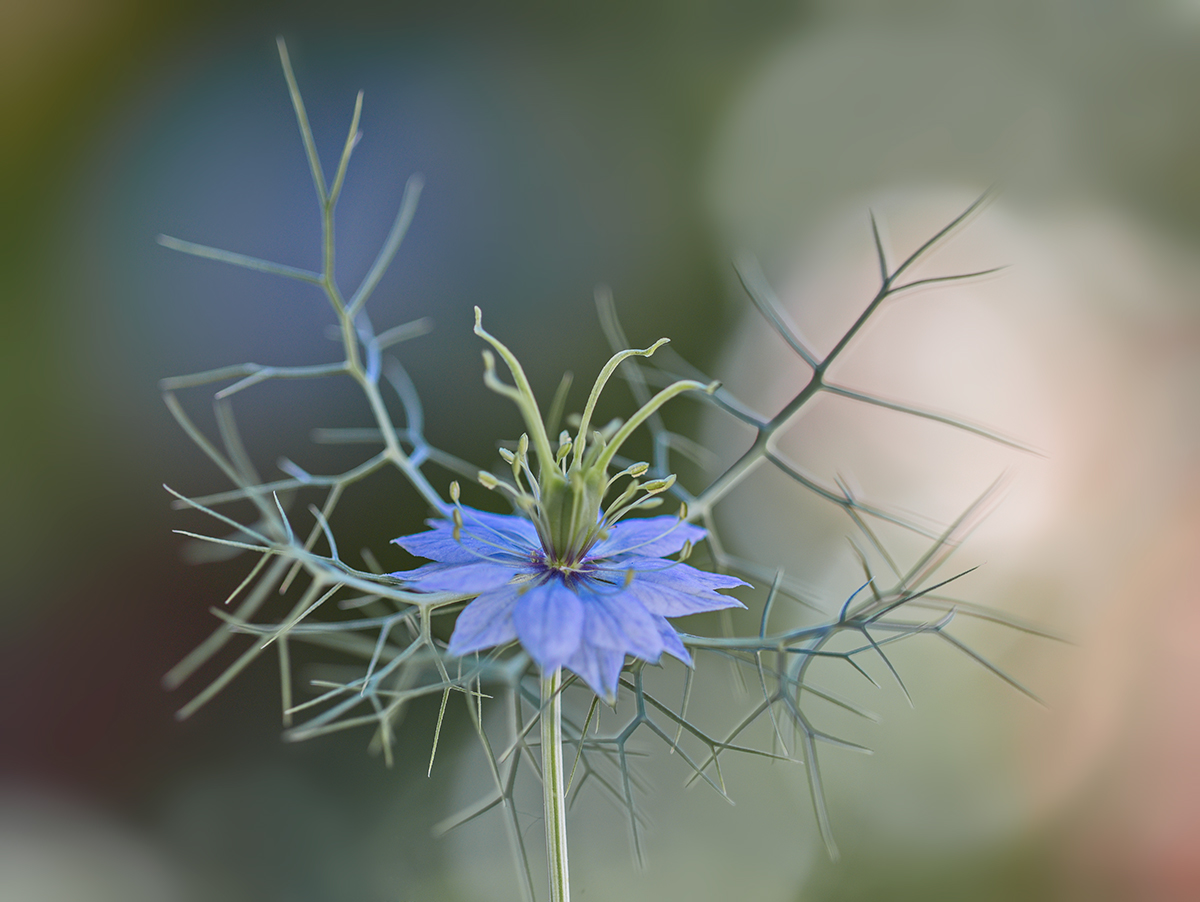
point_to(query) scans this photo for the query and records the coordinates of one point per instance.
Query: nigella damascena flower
(586, 616)
(578, 586)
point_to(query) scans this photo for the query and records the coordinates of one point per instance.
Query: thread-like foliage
(365, 615)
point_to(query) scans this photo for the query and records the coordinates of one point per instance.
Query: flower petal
(483, 536)
(485, 622)
(682, 576)
(618, 621)
(672, 644)
(439, 544)
(549, 621)
(467, 579)
(666, 601)
(647, 537)
(676, 590)
(511, 528)
(600, 668)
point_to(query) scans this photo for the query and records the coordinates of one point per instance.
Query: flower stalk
(553, 793)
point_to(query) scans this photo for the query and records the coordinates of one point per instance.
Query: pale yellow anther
(654, 486)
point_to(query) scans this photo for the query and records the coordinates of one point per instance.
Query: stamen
(514, 462)
(611, 515)
(521, 498)
(623, 505)
(659, 485)
(650, 501)
(534, 486)
(633, 470)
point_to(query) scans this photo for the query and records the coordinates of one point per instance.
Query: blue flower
(567, 577)
(611, 599)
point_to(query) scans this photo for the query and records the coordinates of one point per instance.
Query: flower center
(565, 498)
(570, 573)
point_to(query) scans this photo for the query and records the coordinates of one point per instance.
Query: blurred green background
(563, 145)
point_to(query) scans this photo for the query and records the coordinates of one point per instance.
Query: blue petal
(647, 537)
(467, 579)
(617, 621)
(485, 622)
(668, 602)
(681, 576)
(600, 668)
(549, 621)
(676, 590)
(483, 535)
(437, 545)
(511, 528)
(672, 644)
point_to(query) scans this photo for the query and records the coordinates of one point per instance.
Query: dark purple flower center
(571, 575)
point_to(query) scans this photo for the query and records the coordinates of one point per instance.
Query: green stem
(552, 787)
